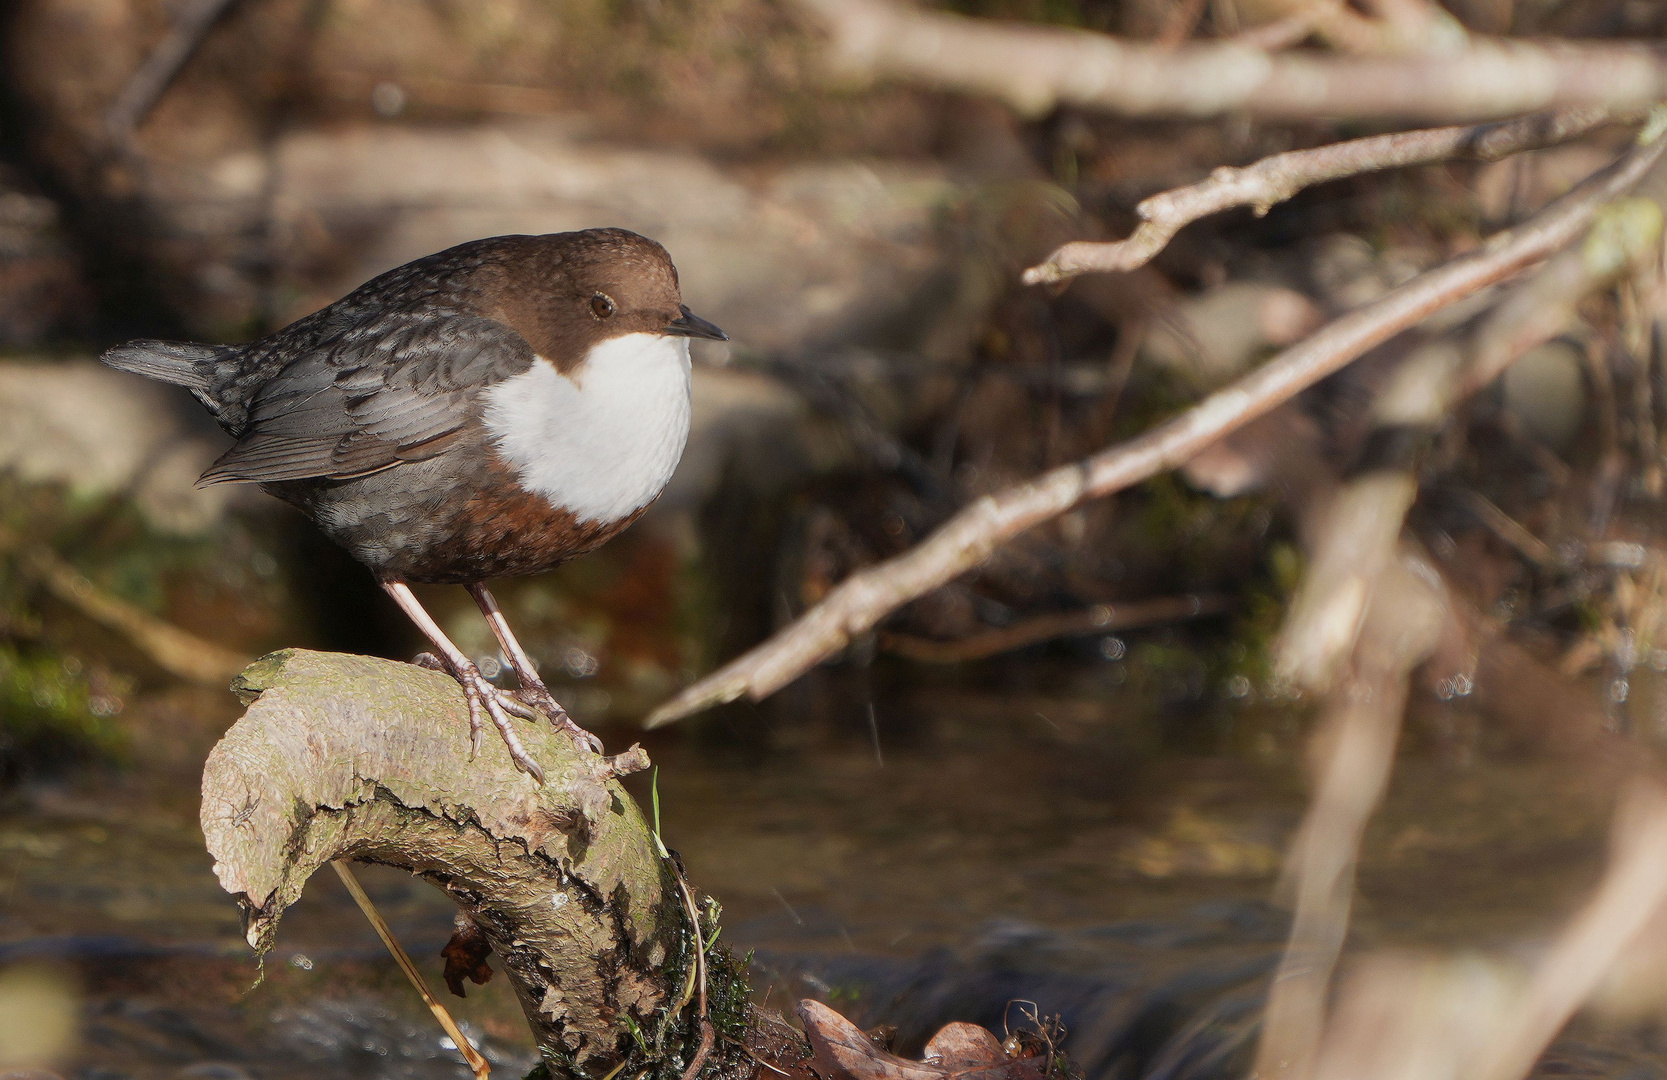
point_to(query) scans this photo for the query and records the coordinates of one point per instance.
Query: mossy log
(349, 757)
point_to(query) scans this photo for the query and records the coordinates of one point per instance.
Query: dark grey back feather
(400, 387)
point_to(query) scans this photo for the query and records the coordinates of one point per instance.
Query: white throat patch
(603, 443)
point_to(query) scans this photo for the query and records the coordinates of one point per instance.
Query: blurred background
(1069, 778)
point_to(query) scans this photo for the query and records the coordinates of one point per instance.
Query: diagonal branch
(164, 63)
(1356, 742)
(1099, 619)
(1275, 179)
(1035, 69)
(969, 537)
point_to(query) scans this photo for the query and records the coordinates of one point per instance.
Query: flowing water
(912, 846)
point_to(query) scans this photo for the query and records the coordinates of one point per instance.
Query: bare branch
(153, 77)
(1414, 27)
(1364, 519)
(1624, 238)
(1509, 530)
(1633, 890)
(1099, 619)
(1035, 69)
(1401, 1015)
(1357, 738)
(1180, 22)
(970, 536)
(1287, 32)
(1275, 179)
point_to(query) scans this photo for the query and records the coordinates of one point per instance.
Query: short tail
(179, 362)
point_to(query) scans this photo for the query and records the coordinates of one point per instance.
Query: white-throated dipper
(492, 410)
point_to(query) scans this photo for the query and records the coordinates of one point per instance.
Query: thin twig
(1036, 69)
(1100, 619)
(705, 1047)
(1402, 1016)
(1275, 179)
(747, 1050)
(1343, 28)
(476, 1062)
(1181, 21)
(1358, 736)
(1510, 531)
(968, 538)
(701, 1052)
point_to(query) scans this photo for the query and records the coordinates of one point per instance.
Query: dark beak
(689, 324)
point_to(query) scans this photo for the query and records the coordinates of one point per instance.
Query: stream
(911, 845)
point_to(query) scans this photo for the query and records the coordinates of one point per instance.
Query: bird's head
(592, 286)
(624, 283)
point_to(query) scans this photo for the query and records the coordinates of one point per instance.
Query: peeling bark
(349, 757)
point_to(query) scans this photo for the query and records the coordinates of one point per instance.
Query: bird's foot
(534, 693)
(487, 701)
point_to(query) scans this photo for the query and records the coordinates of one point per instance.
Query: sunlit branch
(968, 538)
(1036, 69)
(1275, 179)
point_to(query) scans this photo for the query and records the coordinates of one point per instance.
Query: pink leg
(533, 690)
(481, 695)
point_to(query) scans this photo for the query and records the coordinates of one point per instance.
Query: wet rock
(779, 259)
(98, 432)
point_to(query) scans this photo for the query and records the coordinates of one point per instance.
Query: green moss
(728, 1007)
(105, 537)
(260, 676)
(59, 698)
(51, 710)
(728, 992)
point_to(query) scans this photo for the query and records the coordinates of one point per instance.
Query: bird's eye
(601, 305)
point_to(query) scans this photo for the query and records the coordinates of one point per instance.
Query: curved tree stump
(349, 757)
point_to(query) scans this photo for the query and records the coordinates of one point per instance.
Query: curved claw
(585, 740)
(475, 726)
(537, 694)
(483, 696)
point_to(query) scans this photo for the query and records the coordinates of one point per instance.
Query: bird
(492, 410)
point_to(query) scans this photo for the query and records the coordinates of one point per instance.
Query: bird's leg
(481, 695)
(533, 690)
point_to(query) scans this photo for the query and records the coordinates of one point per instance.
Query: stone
(97, 431)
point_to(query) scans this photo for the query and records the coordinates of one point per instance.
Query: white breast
(602, 443)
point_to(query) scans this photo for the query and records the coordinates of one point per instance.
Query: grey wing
(402, 389)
